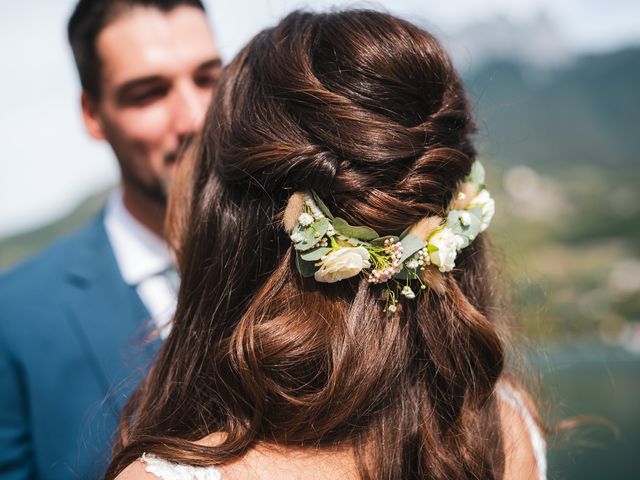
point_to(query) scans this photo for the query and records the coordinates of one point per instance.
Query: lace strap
(166, 470)
(514, 398)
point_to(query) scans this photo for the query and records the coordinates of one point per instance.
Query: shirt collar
(139, 252)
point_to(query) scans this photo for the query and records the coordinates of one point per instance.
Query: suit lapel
(109, 317)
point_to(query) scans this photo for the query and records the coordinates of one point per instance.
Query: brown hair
(366, 110)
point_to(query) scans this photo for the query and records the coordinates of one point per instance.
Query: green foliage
(306, 269)
(310, 234)
(315, 255)
(361, 233)
(477, 175)
(321, 205)
(410, 245)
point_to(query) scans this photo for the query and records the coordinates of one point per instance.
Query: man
(74, 319)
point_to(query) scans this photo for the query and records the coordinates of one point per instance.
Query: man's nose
(190, 106)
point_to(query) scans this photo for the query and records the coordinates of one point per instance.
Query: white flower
(407, 292)
(330, 230)
(392, 308)
(488, 205)
(315, 210)
(345, 262)
(443, 248)
(305, 219)
(297, 237)
(412, 264)
(465, 218)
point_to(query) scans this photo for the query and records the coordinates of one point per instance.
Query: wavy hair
(366, 110)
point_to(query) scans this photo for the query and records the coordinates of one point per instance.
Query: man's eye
(205, 81)
(148, 96)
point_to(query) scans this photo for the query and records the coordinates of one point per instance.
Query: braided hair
(366, 110)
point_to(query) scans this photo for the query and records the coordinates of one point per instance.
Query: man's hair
(88, 20)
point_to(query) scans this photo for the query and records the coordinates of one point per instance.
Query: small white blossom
(412, 264)
(330, 230)
(392, 308)
(488, 205)
(315, 210)
(297, 237)
(345, 262)
(407, 292)
(444, 248)
(305, 219)
(465, 219)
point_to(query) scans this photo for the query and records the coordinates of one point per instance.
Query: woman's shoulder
(150, 467)
(523, 438)
(136, 471)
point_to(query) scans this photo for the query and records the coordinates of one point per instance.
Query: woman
(336, 317)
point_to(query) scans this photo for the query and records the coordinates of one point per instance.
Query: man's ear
(92, 121)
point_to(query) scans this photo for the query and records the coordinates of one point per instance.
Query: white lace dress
(166, 470)
(173, 471)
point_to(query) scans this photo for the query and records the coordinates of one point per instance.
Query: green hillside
(583, 114)
(17, 247)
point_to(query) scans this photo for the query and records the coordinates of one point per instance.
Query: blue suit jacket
(71, 350)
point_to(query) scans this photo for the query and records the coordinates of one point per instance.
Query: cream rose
(345, 262)
(443, 248)
(488, 206)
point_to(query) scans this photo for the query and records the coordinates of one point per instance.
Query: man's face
(158, 71)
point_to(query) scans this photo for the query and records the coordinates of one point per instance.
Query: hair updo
(366, 110)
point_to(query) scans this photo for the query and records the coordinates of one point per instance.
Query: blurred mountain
(536, 41)
(581, 114)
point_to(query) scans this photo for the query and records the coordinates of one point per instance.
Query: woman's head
(367, 111)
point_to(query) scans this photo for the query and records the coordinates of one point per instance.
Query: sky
(48, 163)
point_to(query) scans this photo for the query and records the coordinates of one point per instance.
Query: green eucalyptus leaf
(311, 234)
(410, 245)
(476, 222)
(403, 274)
(361, 233)
(406, 231)
(306, 269)
(477, 174)
(321, 205)
(308, 242)
(467, 232)
(319, 227)
(315, 255)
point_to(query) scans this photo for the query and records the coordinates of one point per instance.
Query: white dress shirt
(144, 260)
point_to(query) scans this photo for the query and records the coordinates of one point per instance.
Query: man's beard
(158, 191)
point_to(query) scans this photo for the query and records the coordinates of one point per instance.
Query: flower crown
(329, 249)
